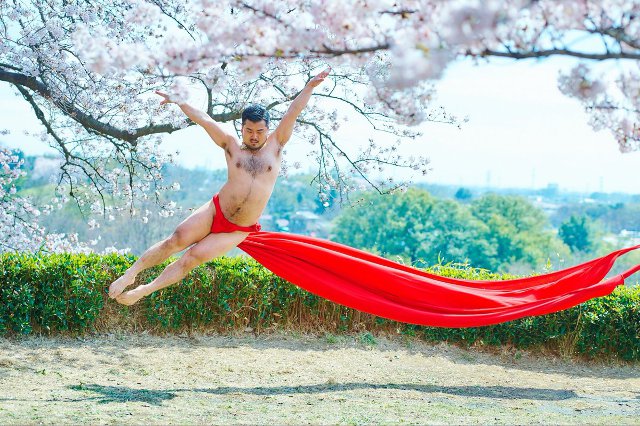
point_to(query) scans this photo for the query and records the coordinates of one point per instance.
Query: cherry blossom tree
(88, 69)
(19, 216)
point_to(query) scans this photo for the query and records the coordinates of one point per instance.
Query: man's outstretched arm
(219, 136)
(285, 128)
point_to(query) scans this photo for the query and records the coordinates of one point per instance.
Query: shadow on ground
(110, 394)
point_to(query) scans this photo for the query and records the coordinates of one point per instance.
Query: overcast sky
(522, 133)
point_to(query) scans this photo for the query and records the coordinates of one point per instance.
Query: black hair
(255, 113)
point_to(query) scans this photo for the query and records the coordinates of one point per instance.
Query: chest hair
(253, 165)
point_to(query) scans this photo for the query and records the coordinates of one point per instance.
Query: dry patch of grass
(293, 378)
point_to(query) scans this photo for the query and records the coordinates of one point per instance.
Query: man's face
(254, 134)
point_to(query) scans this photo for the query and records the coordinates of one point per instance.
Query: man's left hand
(319, 78)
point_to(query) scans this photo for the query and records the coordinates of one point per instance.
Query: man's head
(255, 125)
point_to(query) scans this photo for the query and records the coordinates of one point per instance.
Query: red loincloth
(372, 284)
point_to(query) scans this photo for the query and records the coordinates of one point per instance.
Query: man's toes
(119, 285)
(112, 291)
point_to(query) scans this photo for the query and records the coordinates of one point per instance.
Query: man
(225, 221)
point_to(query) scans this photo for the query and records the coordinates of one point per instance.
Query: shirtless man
(225, 221)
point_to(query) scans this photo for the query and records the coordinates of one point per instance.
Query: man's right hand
(167, 99)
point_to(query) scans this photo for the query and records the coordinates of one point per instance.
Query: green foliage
(56, 292)
(606, 326)
(390, 225)
(68, 293)
(463, 194)
(579, 233)
(516, 231)
(611, 324)
(197, 186)
(16, 308)
(623, 216)
(293, 194)
(610, 217)
(368, 339)
(493, 232)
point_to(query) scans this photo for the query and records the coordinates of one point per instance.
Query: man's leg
(210, 247)
(190, 231)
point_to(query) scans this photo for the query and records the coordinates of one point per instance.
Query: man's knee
(176, 241)
(190, 260)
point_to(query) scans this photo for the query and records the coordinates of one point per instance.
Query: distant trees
(611, 218)
(292, 194)
(516, 230)
(463, 194)
(579, 233)
(493, 232)
(624, 216)
(196, 186)
(392, 226)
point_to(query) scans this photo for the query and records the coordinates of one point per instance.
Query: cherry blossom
(88, 71)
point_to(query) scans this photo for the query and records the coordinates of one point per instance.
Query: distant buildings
(301, 222)
(625, 237)
(548, 207)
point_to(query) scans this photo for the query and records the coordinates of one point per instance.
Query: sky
(522, 132)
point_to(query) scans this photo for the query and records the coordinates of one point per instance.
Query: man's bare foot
(120, 284)
(132, 296)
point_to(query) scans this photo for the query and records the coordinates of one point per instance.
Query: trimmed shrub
(68, 293)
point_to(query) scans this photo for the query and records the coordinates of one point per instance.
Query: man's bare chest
(253, 164)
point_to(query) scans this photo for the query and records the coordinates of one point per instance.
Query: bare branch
(562, 52)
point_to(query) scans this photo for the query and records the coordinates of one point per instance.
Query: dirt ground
(290, 378)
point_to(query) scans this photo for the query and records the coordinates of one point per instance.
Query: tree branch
(90, 122)
(563, 52)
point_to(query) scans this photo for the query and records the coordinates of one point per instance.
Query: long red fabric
(372, 284)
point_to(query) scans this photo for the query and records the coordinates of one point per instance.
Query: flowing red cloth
(372, 284)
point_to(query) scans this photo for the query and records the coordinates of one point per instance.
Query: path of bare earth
(293, 378)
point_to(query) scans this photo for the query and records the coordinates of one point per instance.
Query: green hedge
(67, 293)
